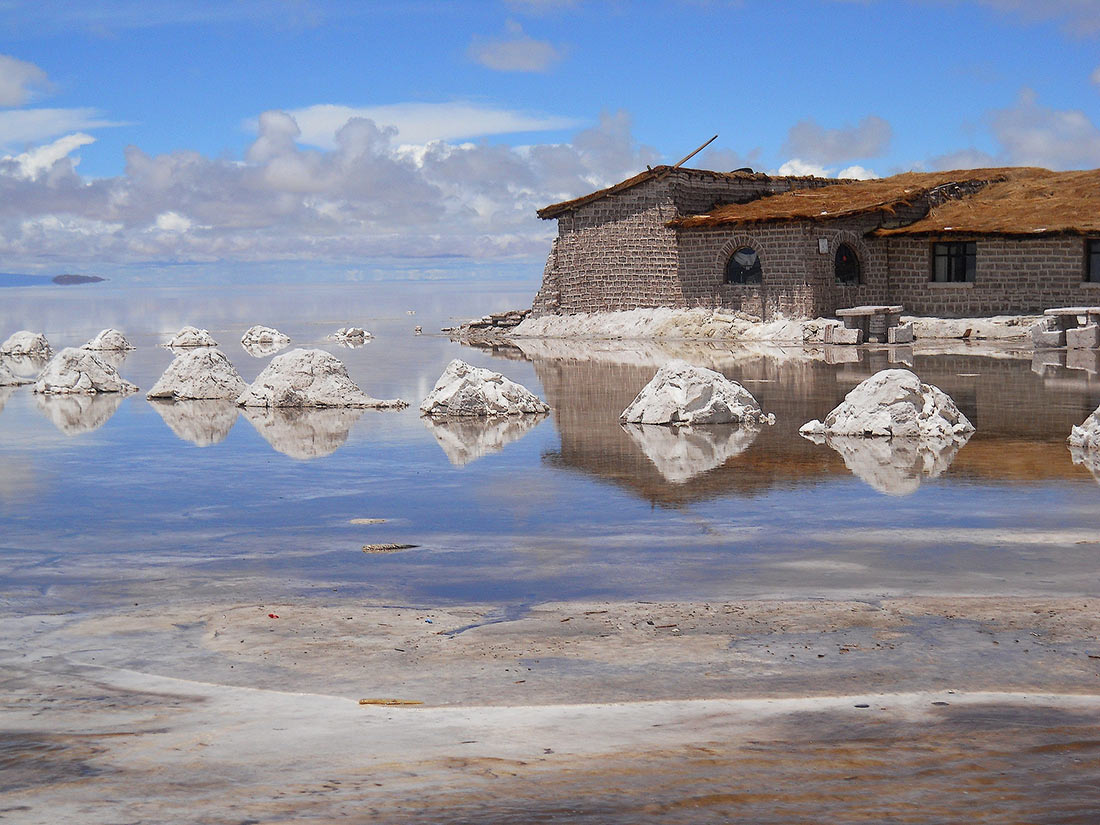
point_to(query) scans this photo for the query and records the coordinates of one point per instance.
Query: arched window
(846, 265)
(743, 267)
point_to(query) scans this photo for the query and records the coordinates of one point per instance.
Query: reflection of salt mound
(303, 433)
(351, 336)
(80, 371)
(5, 394)
(308, 378)
(109, 340)
(682, 394)
(9, 378)
(202, 422)
(463, 390)
(896, 466)
(1089, 459)
(192, 337)
(1087, 436)
(26, 366)
(259, 341)
(893, 403)
(202, 373)
(468, 439)
(682, 453)
(75, 414)
(26, 343)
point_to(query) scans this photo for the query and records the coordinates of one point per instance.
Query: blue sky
(206, 136)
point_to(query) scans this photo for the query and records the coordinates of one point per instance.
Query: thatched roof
(1024, 202)
(556, 209)
(841, 200)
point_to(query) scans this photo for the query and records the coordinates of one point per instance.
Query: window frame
(1092, 255)
(757, 268)
(952, 253)
(857, 265)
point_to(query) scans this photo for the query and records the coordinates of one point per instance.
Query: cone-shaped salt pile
(202, 373)
(263, 335)
(79, 371)
(682, 394)
(893, 403)
(308, 378)
(192, 337)
(26, 343)
(463, 391)
(109, 340)
(1087, 436)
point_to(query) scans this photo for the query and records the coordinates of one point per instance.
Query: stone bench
(1064, 329)
(873, 324)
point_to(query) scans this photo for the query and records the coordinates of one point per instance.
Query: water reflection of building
(1022, 418)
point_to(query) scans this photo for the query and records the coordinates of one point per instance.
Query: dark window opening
(954, 261)
(1092, 261)
(846, 265)
(744, 267)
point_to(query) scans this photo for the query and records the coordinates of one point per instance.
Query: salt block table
(1067, 320)
(873, 320)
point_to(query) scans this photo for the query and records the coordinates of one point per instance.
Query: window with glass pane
(954, 261)
(1092, 261)
(743, 267)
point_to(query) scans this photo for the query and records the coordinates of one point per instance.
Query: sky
(225, 139)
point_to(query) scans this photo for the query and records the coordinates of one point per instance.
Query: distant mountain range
(18, 279)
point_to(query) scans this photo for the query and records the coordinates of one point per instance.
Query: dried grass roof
(556, 209)
(841, 200)
(1025, 202)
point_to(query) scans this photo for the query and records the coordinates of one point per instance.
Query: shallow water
(119, 492)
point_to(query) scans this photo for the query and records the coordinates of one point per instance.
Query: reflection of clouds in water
(1090, 459)
(75, 414)
(468, 439)
(682, 453)
(262, 349)
(203, 423)
(303, 432)
(896, 466)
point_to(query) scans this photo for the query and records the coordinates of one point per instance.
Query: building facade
(971, 242)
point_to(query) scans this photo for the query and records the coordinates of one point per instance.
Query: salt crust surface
(684, 394)
(893, 403)
(665, 322)
(192, 337)
(463, 391)
(109, 340)
(199, 374)
(308, 378)
(26, 343)
(79, 371)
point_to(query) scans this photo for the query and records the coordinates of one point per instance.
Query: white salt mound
(308, 378)
(1087, 436)
(351, 335)
(463, 390)
(26, 343)
(192, 337)
(79, 371)
(263, 335)
(9, 378)
(202, 373)
(109, 340)
(684, 394)
(893, 403)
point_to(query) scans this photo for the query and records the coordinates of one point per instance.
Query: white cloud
(19, 127)
(34, 162)
(421, 123)
(808, 139)
(1081, 17)
(20, 81)
(797, 166)
(517, 52)
(1035, 135)
(365, 197)
(1095, 76)
(857, 173)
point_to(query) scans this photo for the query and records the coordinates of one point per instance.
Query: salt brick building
(969, 242)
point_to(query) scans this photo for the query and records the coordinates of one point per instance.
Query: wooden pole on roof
(689, 156)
